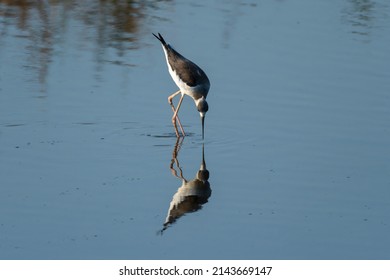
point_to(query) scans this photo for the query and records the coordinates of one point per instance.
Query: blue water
(296, 138)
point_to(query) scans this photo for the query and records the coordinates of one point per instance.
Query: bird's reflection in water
(192, 194)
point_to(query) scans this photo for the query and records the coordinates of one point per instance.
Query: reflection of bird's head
(203, 175)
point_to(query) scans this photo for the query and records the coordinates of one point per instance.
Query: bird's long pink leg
(175, 115)
(175, 112)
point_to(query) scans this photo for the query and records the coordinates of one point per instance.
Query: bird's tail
(160, 38)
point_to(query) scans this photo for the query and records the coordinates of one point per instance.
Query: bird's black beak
(202, 119)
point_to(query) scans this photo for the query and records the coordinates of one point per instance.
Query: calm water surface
(295, 162)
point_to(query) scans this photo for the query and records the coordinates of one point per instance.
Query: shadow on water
(362, 16)
(192, 194)
(44, 25)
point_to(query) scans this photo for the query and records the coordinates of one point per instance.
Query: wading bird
(190, 79)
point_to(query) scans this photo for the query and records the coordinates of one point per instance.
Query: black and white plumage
(190, 79)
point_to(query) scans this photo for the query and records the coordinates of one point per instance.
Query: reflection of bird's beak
(203, 165)
(202, 119)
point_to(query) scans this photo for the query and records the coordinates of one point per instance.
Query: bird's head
(202, 107)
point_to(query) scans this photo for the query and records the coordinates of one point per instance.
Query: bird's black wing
(188, 72)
